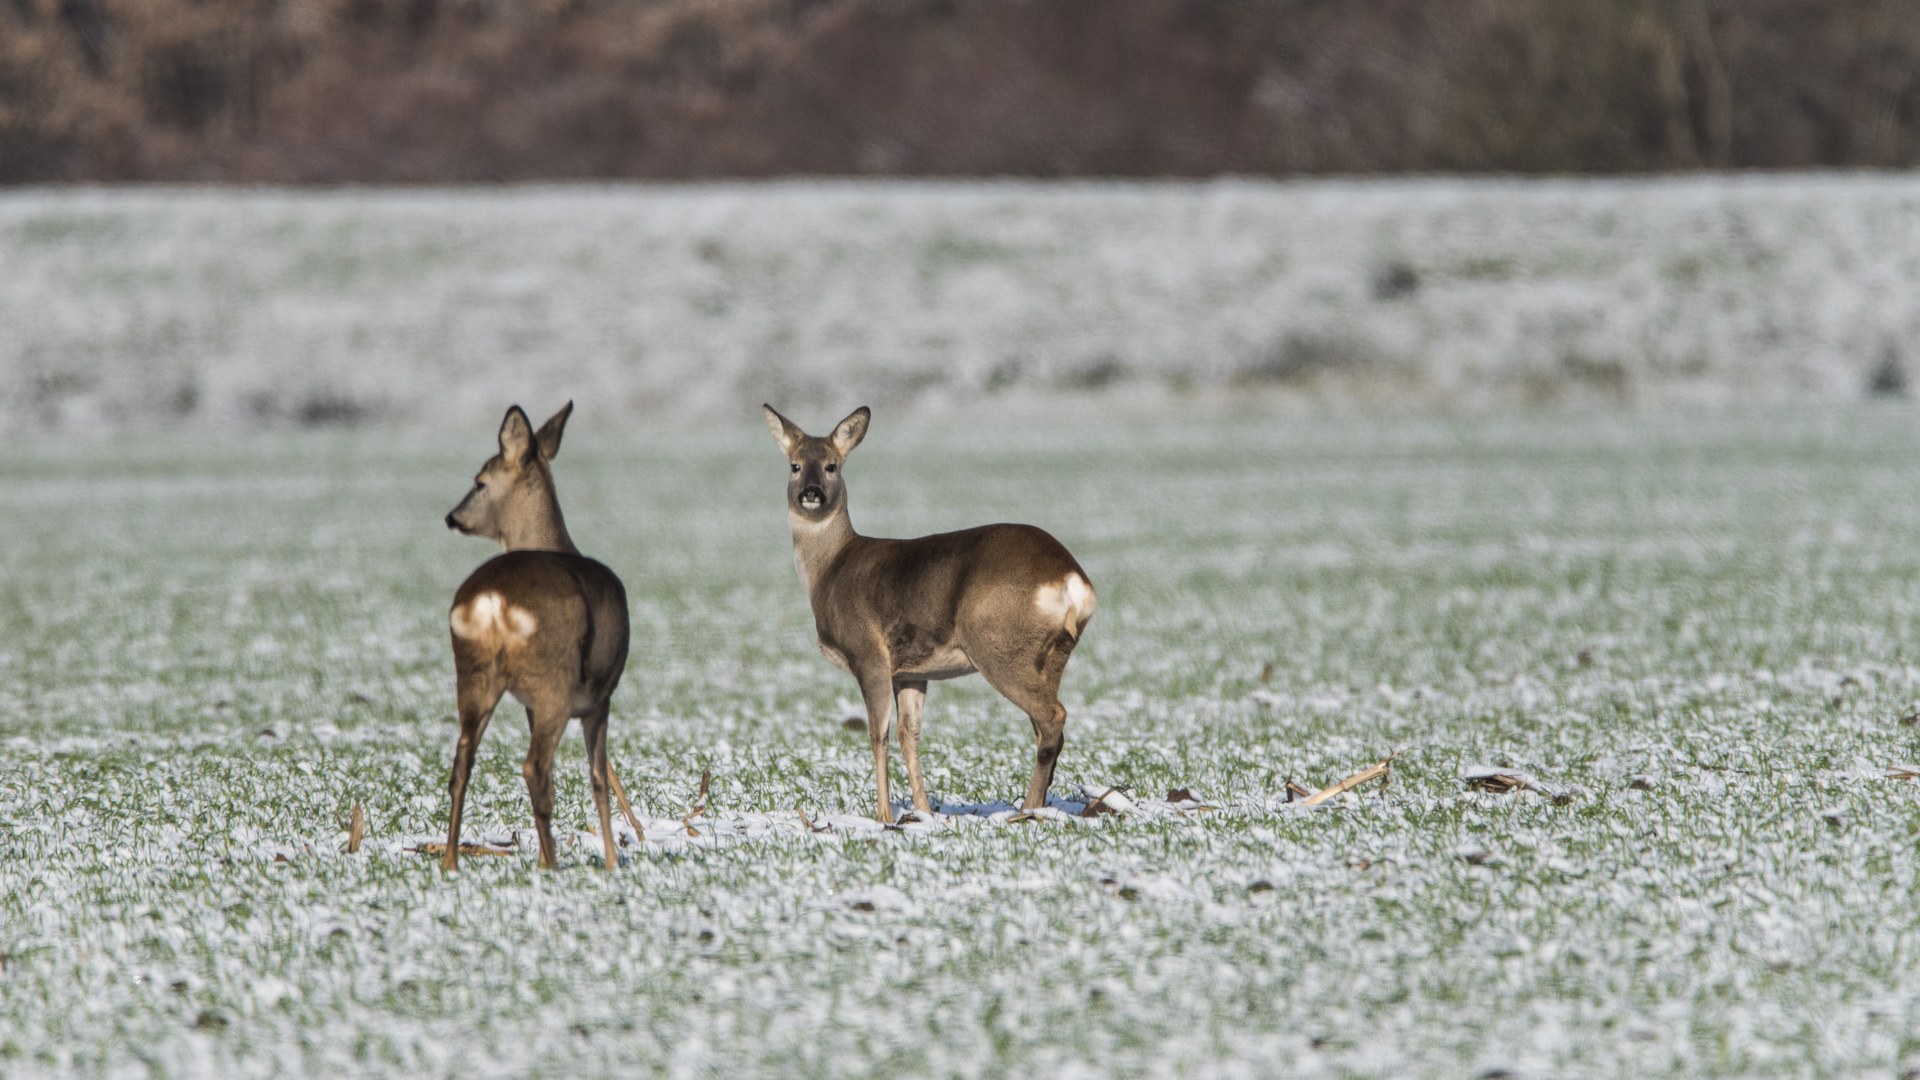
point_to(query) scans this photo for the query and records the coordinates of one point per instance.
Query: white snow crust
(680, 305)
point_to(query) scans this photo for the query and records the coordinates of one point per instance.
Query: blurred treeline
(461, 90)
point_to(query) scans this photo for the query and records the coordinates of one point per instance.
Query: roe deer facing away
(1007, 601)
(541, 622)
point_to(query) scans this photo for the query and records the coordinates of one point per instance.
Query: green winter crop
(1703, 628)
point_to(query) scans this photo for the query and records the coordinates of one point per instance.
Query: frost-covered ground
(223, 309)
(210, 648)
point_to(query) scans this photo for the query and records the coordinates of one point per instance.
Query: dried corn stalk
(1377, 771)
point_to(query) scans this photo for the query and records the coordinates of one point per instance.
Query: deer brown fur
(539, 621)
(1007, 601)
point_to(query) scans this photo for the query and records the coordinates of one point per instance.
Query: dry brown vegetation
(456, 90)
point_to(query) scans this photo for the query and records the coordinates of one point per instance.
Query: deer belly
(948, 663)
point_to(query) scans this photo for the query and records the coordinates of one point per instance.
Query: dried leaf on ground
(1501, 780)
(465, 849)
(1498, 783)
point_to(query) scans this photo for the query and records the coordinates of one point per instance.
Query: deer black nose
(811, 496)
(451, 524)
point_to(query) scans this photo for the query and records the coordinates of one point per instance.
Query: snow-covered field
(233, 309)
(1698, 630)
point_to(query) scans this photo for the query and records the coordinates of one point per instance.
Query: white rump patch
(489, 620)
(1068, 603)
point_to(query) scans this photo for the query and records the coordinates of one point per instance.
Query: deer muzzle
(812, 498)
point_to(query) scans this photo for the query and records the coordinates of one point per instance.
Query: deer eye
(833, 468)
(796, 466)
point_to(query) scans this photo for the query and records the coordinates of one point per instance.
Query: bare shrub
(463, 90)
(1300, 355)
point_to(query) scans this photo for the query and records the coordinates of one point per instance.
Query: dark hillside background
(322, 91)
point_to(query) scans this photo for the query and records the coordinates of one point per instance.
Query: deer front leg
(476, 702)
(912, 699)
(877, 689)
(593, 728)
(546, 725)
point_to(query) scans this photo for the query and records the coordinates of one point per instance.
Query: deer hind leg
(1030, 678)
(477, 697)
(546, 722)
(1049, 736)
(911, 699)
(593, 727)
(877, 690)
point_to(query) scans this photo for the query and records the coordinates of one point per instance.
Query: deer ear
(516, 435)
(548, 440)
(784, 431)
(851, 431)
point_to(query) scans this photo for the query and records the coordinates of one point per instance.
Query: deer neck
(539, 527)
(817, 543)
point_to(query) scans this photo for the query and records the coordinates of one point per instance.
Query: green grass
(211, 648)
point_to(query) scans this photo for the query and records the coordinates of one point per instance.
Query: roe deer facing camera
(1007, 601)
(541, 622)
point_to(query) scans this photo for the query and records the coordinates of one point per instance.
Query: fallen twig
(1110, 800)
(1376, 771)
(626, 807)
(1903, 772)
(1295, 791)
(355, 829)
(706, 777)
(1098, 804)
(808, 822)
